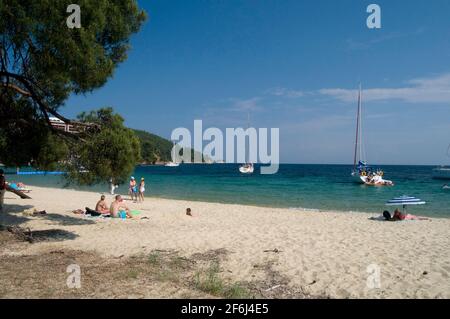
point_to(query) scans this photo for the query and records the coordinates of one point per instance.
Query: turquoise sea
(324, 187)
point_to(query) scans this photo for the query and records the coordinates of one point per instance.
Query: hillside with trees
(153, 147)
(156, 149)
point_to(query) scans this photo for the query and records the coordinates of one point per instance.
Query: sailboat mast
(247, 160)
(358, 124)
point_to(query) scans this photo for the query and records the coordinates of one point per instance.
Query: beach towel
(92, 212)
(135, 212)
(380, 218)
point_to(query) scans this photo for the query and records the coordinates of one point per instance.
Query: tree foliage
(113, 152)
(43, 62)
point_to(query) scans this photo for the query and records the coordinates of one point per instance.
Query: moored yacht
(363, 173)
(441, 173)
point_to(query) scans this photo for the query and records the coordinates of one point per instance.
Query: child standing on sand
(141, 190)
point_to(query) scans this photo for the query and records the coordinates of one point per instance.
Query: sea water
(315, 187)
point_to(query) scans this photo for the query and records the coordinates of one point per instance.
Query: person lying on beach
(119, 209)
(102, 206)
(399, 216)
(387, 215)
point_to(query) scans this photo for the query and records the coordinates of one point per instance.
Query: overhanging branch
(46, 110)
(15, 88)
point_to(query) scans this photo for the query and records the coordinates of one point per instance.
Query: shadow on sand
(52, 235)
(12, 215)
(34, 236)
(12, 218)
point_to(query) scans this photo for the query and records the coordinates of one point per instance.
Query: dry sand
(325, 253)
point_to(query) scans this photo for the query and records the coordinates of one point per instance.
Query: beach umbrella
(405, 201)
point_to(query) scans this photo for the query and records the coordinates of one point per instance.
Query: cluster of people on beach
(117, 209)
(136, 191)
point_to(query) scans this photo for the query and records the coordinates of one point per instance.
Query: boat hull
(441, 173)
(358, 178)
(246, 170)
(172, 165)
(376, 180)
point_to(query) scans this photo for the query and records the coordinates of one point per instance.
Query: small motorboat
(246, 168)
(172, 164)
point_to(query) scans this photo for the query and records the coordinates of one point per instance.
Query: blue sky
(294, 65)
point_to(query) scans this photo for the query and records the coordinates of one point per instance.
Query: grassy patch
(154, 258)
(160, 274)
(237, 291)
(211, 283)
(133, 274)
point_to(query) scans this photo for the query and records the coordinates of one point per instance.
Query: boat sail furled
(248, 167)
(363, 173)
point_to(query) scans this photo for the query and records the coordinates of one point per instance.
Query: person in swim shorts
(119, 209)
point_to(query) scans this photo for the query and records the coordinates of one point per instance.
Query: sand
(325, 253)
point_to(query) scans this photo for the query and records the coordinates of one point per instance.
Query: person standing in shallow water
(141, 190)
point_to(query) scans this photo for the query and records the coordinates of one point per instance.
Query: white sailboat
(248, 167)
(363, 173)
(172, 163)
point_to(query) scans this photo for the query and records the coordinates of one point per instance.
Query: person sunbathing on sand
(399, 216)
(119, 209)
(101, 206)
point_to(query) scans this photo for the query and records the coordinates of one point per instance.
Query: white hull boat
(172, 164)
(375, 179)
(441, 173)
(246, 169)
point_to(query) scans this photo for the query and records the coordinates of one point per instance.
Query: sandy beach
(321, 253)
